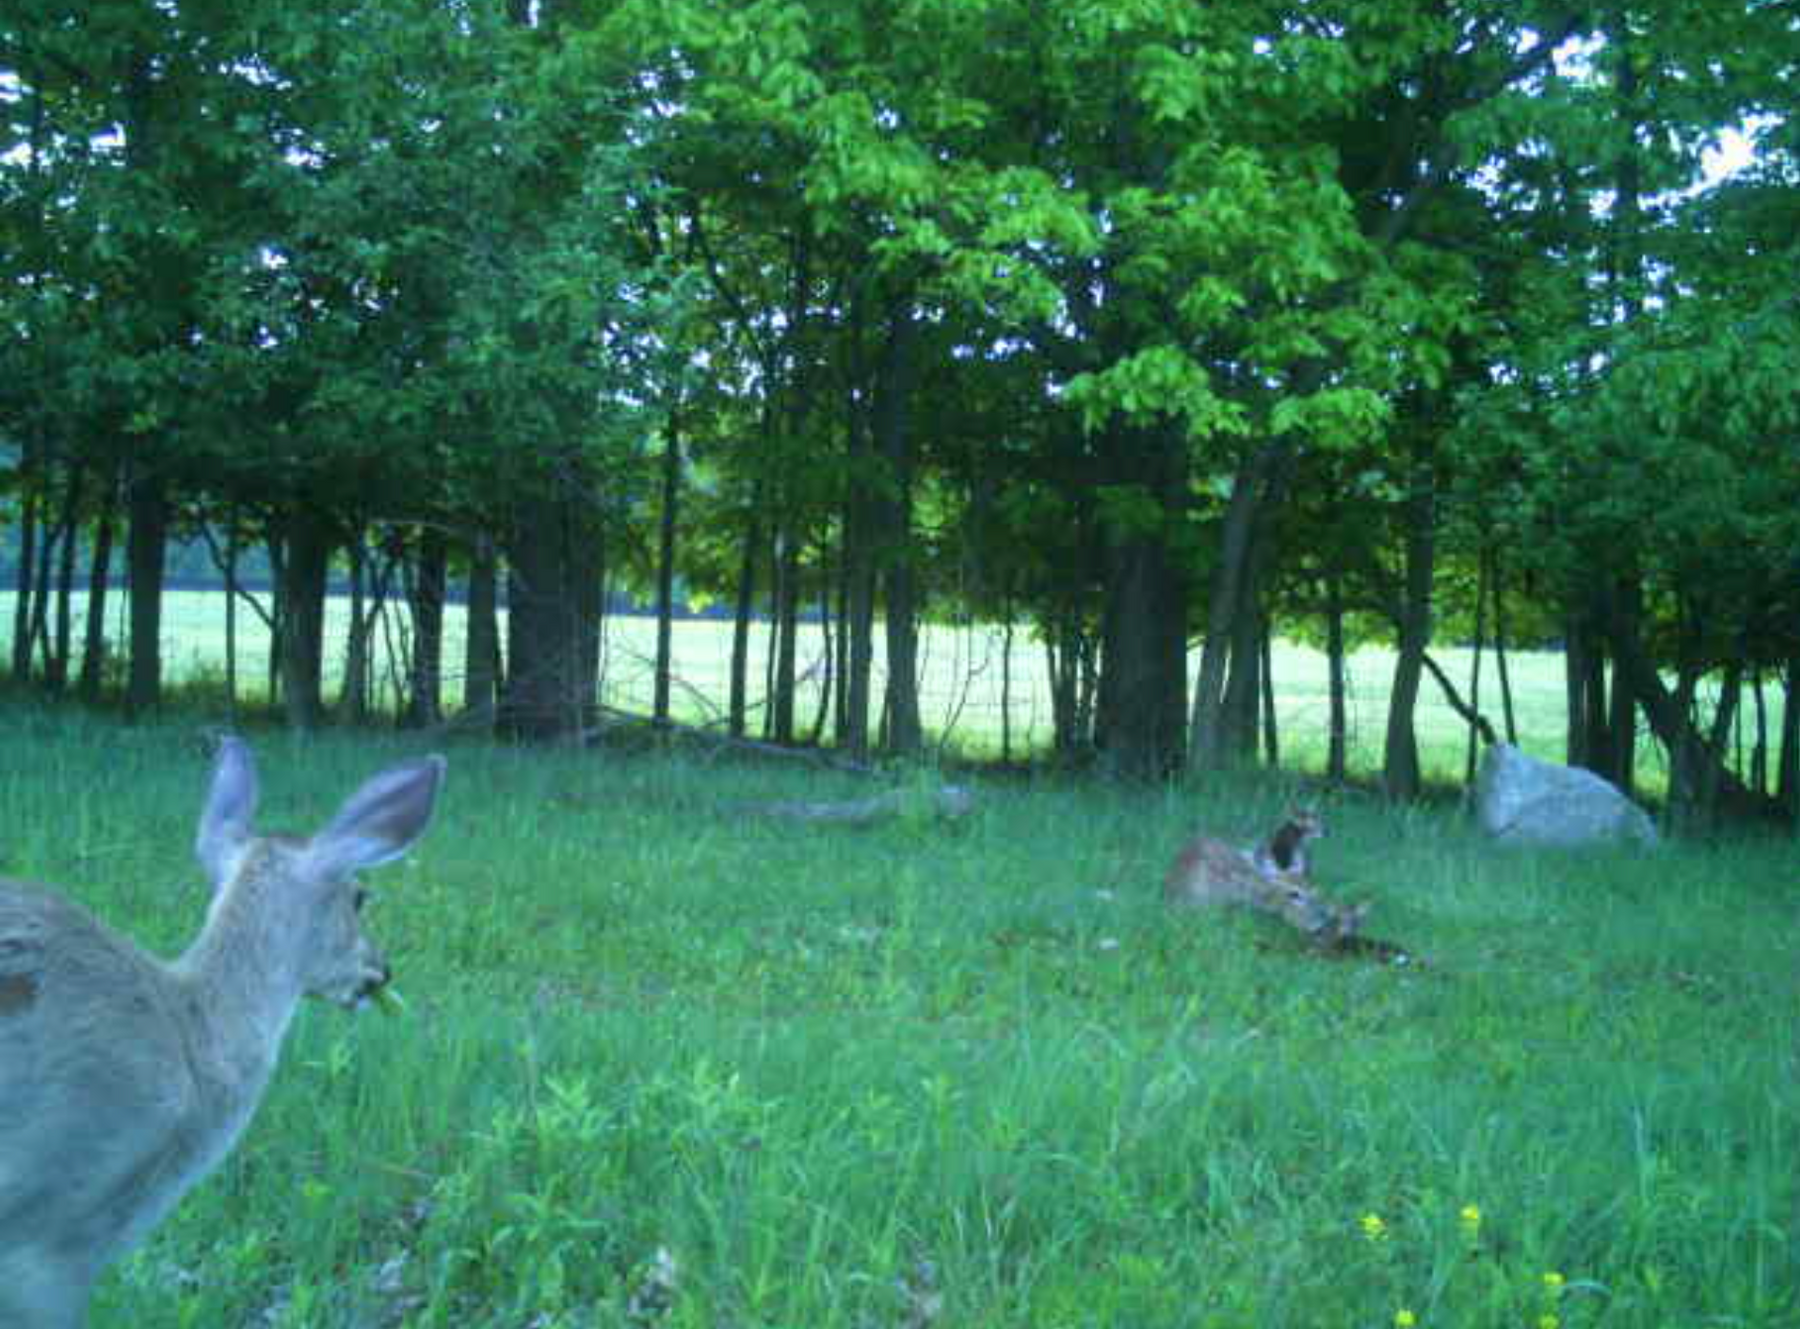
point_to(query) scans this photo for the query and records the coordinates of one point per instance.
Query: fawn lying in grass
(125, 1080)
(1272, 878)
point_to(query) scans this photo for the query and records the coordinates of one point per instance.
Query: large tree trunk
(308, 560)
(149, 517)
(481, 641)
(425, 699)
(1143, 667)
(554, 600)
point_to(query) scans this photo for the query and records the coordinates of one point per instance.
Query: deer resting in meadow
(1271, 878)
(123, 1079)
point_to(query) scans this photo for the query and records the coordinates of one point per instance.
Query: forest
(1145, 326)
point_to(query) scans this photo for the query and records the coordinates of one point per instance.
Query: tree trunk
(738, 703)
(481, 640)
(149, 517)
(425, 699)
(785, 632)
(303, 619)
(1501, 670)
(895, 446)
(56, 676)
(1338, 720)
(26, 578)
(553, 599)
(1143, 679)
(1787, 775)
(354, 702)
(1401, 776)
(1208, 748)
(665, 566)
(92, 679)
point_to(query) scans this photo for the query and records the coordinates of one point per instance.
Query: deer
(1284, 848)
(125, 1079)
(1272, 878)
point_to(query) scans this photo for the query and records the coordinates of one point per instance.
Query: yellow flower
(1404, 1319)
(1553, 1283)
(1373, 1228)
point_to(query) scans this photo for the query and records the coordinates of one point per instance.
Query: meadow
(665, 1063)
(960, 684)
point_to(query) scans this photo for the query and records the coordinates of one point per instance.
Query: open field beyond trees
(662, 1063)
(960, 685)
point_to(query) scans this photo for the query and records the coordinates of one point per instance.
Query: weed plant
(664, 1062)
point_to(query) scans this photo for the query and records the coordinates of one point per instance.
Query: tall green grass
(667, 1063)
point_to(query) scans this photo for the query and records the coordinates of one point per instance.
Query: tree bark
(425, 699)
(481, 641)
(738, 702)
(665, 565)
(553, 598)
(1142, 702)
(1401, 776)
(92, 679)
(1208, 748)
(1337, 746)
(894, 444)
(149, 517)
(308, 560)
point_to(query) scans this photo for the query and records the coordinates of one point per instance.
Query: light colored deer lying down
(125, 1080)
(1271, 878)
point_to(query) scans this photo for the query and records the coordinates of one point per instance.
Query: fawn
(1271, 878)
(123, 1079)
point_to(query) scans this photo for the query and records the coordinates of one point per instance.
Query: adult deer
(125, 1080)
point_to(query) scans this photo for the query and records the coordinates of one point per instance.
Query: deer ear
(230, 808)
(379, 822)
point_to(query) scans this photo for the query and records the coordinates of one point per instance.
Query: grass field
(960, 685)
(663, 1063)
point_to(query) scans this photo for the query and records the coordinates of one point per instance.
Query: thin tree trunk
(1271, 731)
(56, 675)
(742, 610)
(665, 566)
(149, 517)
(354, 703)
(1501, 670)
(1338, 720)
(26, 577)
(1473, 752)
(51, 538)
(93, 651)
(1787, 762)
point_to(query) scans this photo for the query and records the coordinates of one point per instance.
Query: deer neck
(240, 981)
